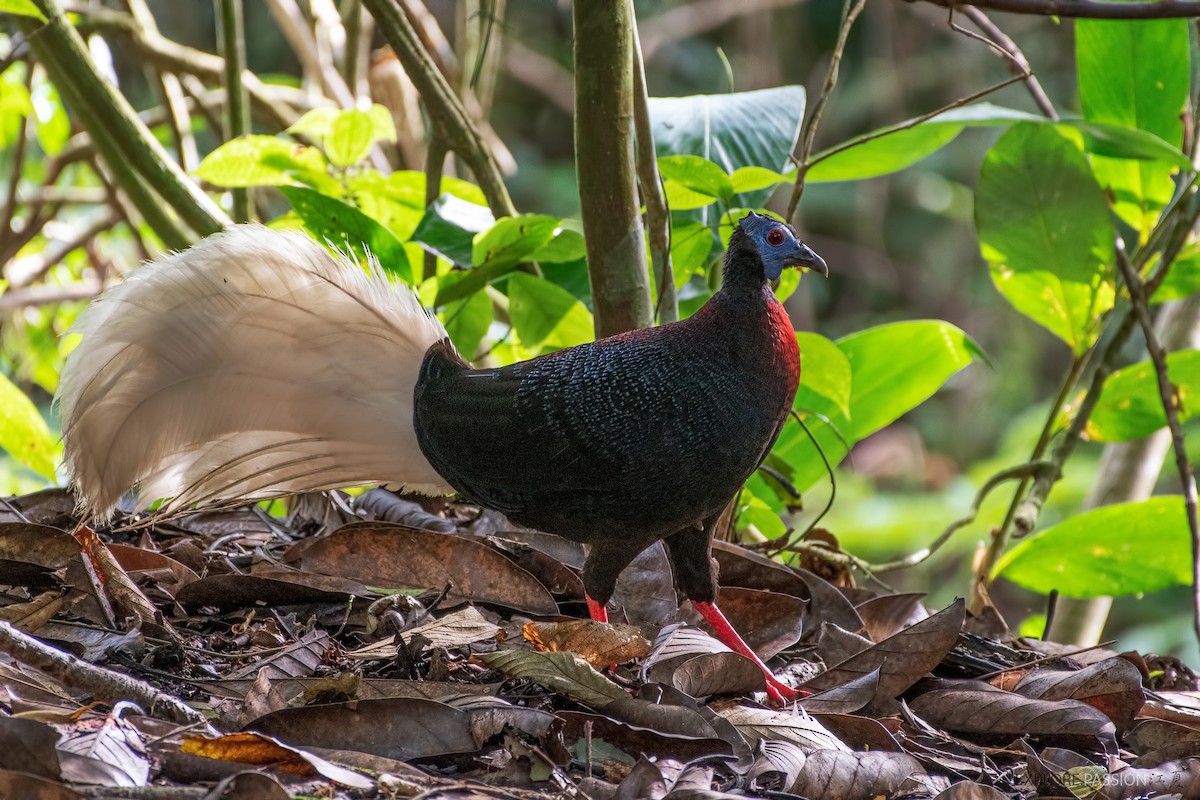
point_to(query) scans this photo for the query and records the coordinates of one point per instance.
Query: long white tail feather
(253, 365)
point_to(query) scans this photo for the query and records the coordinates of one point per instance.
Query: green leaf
(345, 227)
(467, 321)
(752, 179)
(893, 369)
(15, 105)
(546, 317)
(1130, 406)
(891, 152)
(1119, 549)
(565, 247)
(512, 240)
(735, 130)
(351, 136)
(22, 8)
(1135, 73)
(696, 174)
(23, 432)
(449, 226)
(315, 123)
(1045, 229)
(1117, 141)
(53, 124)
(1183, 279)
(498, 250)
(258, 161)
(558, 671)
(691, 243)
(824, 376)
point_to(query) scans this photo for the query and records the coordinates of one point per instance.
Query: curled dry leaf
(646, 590)
(779, 756)
(230, 592)
(103, 750)
(109, 580)
(1113, 686)
(841, 773)
(862, 733)
(758, 724)
(31, 616)
(402, 729)
(382, 505)
(459, 628)
(974, 707)
(889, 614)
(965, 790)
(851, 696)
(21, 784)
(255, 748)
(902, 659)
(297, 660)
(597, 643)
(562, 672)
(718, 673)
(393, 556)
(827, 604)
(1156, 741)
(170, 575)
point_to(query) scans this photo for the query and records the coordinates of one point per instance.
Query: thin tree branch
(446, 111)
(1007, 48)
(237, 106)
(1170, 400)
(808, 133)
(103, 684)
(658, 218)
(1090, 9)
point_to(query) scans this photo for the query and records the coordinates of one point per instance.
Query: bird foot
(778, 691)
(596, 611)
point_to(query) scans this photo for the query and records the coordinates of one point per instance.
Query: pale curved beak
(805, 258)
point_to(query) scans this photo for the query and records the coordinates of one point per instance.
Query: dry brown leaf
(403, 729)
(757, 724)
(974, 707)
(889, 614)
(110, 581)
(255, 748)
(718, 673)
(170, 575)
(27, 745)
(31, 616)
(562, 672)
(229, 592)
(31, 787)
(297, 660)
(902, 659)
(597, 643)
(105, 751)
(393, 556)
(637, 739)
(768, 621)
(840, 773)
(1113, 686)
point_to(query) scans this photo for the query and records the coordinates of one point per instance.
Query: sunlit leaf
(467, 321)
(1182, 279)
(346, 227)
(258, 161)
(1104, 552)
(449, 226)
(696, 174)
(735, 130)
(351, 136)
(512, 240)
(546, 317)
(565, 247)
(24, 8)
(1135, 73)
(752, 179)
(824, 376)
(1045, 229)
(315, 123)
(1130, 406)
(23, 432)
(691, 243)
(893, 369)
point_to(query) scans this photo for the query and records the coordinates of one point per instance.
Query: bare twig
(1170, 400)
(446, 111)
(691, 19)
(1090, 9)
(102, 684)
(47, 294)
(1007, 48)
(541, 73)
(808, 133)
(172, 94)
(658, 220)
(17, 165)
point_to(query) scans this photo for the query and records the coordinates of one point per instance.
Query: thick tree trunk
(605, 164)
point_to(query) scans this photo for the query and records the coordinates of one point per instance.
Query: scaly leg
(595, 610)
(777, 690)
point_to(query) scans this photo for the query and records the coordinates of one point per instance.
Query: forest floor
(383, 651)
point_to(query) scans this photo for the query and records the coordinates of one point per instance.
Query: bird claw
(779, 693)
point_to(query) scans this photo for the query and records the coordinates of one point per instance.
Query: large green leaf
(1130, 406)
(467, 321)
(824, 376)
(449, 227)
(23, 432)
(546, 317)
(498, 250)
(1135, 73)
(688, 176)
(893, 369)
(258, 161)
(691, 243)
(346, 227)
(351, 135)
(1114, 550)
(24, 8)
(741, 129)
(1045, 229)
(1182, 279)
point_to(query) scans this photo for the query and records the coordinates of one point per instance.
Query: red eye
(775, 237)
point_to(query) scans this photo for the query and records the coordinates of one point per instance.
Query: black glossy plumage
(627, 440)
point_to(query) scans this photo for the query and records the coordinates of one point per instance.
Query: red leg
(596, 611)
(777, 690)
